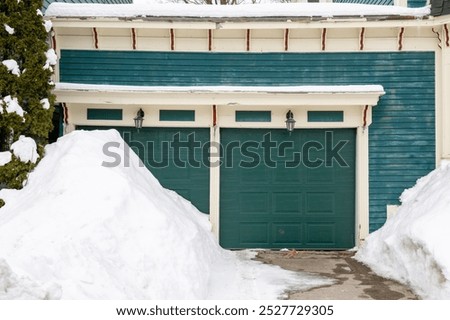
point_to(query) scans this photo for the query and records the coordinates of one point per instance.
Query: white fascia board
(220, 95)
(335, 23)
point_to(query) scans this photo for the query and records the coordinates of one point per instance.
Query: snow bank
(246, 10)
(412, 247)
(116, 233)
(13, 286)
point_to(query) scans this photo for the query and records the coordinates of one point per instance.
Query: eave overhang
(356, 95)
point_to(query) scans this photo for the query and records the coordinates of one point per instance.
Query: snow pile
(326, 10)
(412, 247)
(13, 286)
(115, 233)
(12, 66)
(25, 149)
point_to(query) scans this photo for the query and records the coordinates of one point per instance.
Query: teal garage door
(281, 190)
(177, 157)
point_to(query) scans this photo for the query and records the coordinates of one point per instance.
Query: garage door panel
(286, 175)
(257, 175)
(254, 233)
(320, 203)
(254, 202)
(286, 234)
(321, 234)
(320, 176)
(304, 207)
(287, 203)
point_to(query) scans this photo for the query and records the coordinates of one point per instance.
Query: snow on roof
(279, 10)
(222, 89)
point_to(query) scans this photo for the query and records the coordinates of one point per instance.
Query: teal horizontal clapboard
(253, 116)
(417, 3)
(177, 115)
(401, 137)
(104, 114)
(325, 116)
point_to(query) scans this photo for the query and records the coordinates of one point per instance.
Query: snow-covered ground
(80, 230)
(413, 246)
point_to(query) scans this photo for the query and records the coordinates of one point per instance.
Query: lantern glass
(138, 122)
(139, 119)
(290, 122)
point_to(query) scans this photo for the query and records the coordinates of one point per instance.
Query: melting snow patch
(412, 246)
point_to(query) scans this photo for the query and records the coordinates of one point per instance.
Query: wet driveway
(353, 280)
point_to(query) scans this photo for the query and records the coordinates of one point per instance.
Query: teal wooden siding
(253, 116)
(177, 115)
(402, 136)
(104, 114)
(417, 3)
(325, 116)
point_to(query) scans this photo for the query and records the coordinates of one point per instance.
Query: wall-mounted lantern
(139, 119)
(290, 122)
